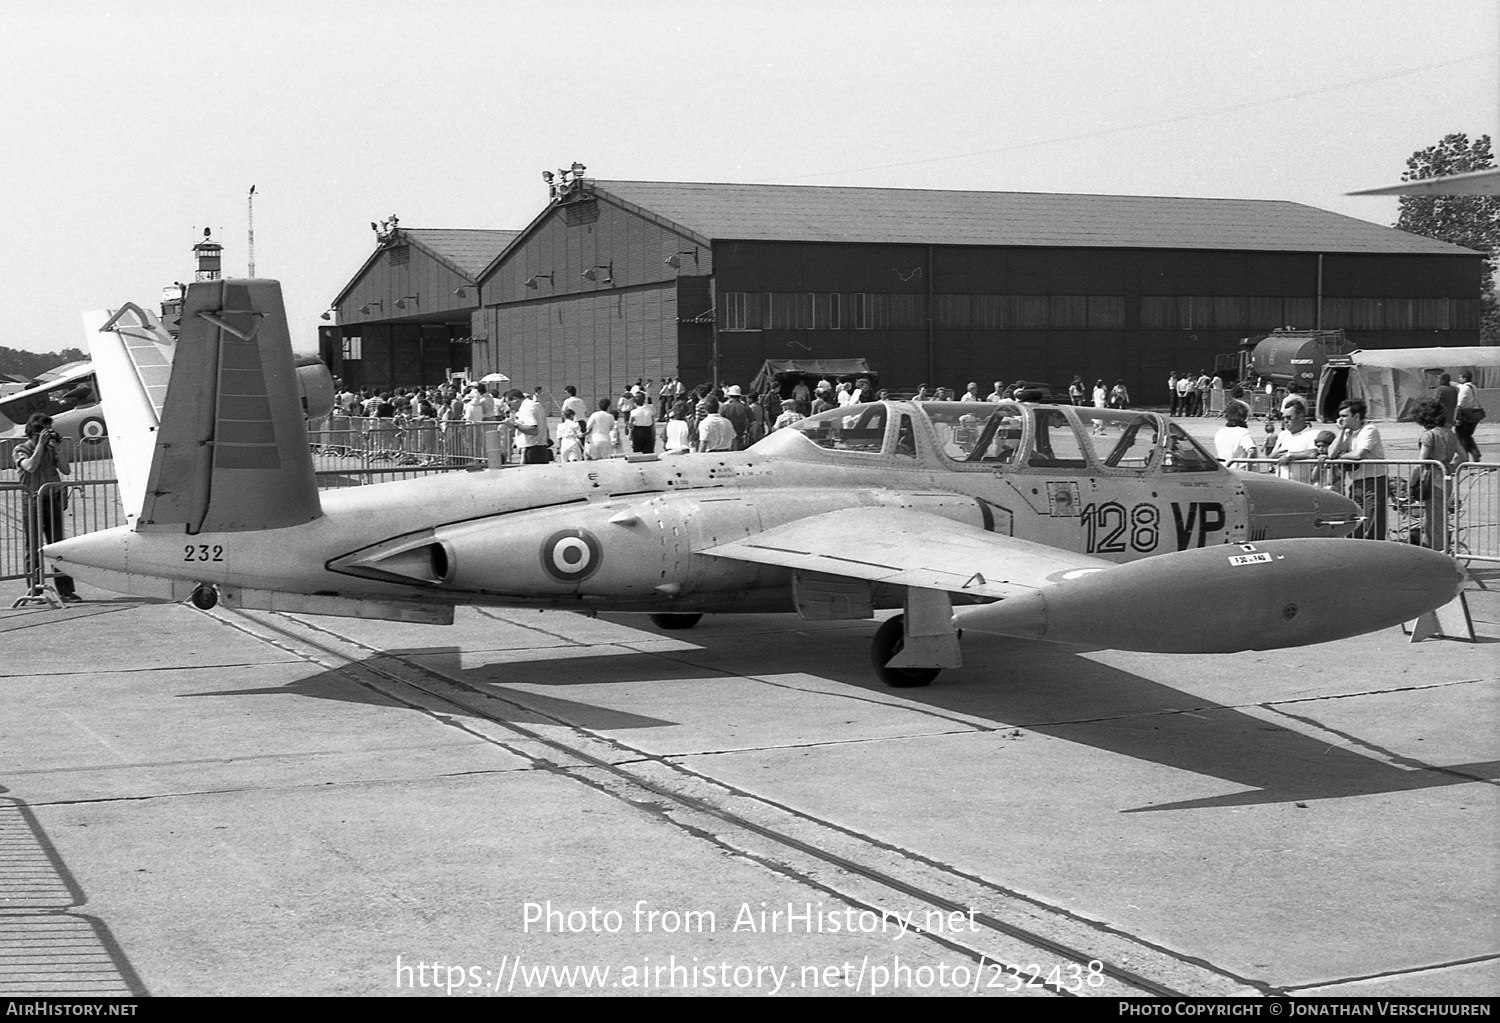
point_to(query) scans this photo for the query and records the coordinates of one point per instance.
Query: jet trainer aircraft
(1077, 525)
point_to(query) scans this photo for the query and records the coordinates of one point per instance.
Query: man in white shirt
(1358, 441)
(1296, 443)
(643, 428)
(715, 433)
(572, 401)
(530, 424)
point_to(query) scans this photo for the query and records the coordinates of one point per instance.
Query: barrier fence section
(92, 503)
(1475, 488)
(1398, 501)
(422, 442)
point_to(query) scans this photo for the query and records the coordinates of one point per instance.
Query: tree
(1472, 221)
(29, 364)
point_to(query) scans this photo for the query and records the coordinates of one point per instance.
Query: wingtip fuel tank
(1233, 597)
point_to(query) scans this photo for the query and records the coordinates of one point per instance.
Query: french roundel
(571, 555)
(92, 430)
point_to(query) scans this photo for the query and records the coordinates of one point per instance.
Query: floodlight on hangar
(414, 299)
(592, 273)
(530, 282)
(675, 259)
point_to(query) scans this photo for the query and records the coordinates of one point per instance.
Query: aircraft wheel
(675, 621)
(205, 597)
(889, 639)
(93, 431)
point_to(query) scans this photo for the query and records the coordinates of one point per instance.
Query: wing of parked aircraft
(1483, 182)
(902, 547)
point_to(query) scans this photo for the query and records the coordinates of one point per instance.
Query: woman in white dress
(570, 437)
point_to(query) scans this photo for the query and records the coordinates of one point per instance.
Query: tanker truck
(1291, 359)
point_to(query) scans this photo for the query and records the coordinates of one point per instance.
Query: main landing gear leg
(910, 649)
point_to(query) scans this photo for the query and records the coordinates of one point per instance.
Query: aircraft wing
(910, 548)
(1481, 182)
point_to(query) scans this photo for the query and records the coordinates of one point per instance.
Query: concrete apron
(217, 804)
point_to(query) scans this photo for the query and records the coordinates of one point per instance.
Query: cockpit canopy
(1005, 436)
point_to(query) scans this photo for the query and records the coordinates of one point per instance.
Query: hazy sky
(129, 127)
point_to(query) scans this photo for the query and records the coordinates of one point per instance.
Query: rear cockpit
(1002, 437)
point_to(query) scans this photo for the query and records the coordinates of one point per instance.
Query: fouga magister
(1075, 525)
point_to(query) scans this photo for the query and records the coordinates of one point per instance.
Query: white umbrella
(494, 378)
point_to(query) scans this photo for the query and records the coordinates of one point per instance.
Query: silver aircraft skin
(1041, 521)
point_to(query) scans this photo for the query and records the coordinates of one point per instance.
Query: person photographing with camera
(41, 459)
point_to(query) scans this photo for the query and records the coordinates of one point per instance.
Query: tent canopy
(775, 372)
(1392, 380)
(1447, 360)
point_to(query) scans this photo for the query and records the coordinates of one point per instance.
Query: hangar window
(869, 311)
(828, 311)
(1106, 312)
(734, 310)
(790, 311)
(353, 347)
(1068, 311)
(1029, 311)
(859, 311)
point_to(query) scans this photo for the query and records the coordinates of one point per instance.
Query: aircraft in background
(1076, 525)
(70, 395)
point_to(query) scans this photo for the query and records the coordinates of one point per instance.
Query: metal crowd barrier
(423, 442)
(1461, 506)
(1475, 488)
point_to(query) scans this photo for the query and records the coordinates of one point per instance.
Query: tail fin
(231, 452)
(132, 355)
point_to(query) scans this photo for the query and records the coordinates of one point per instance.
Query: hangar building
(619, 280)
(406, 317)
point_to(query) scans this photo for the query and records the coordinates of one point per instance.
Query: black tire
(888, 641)
(673, 622)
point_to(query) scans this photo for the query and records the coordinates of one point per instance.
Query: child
(678, 436)
(570, 437)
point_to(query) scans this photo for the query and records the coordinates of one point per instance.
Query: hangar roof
(817, 213)
(467, 250)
